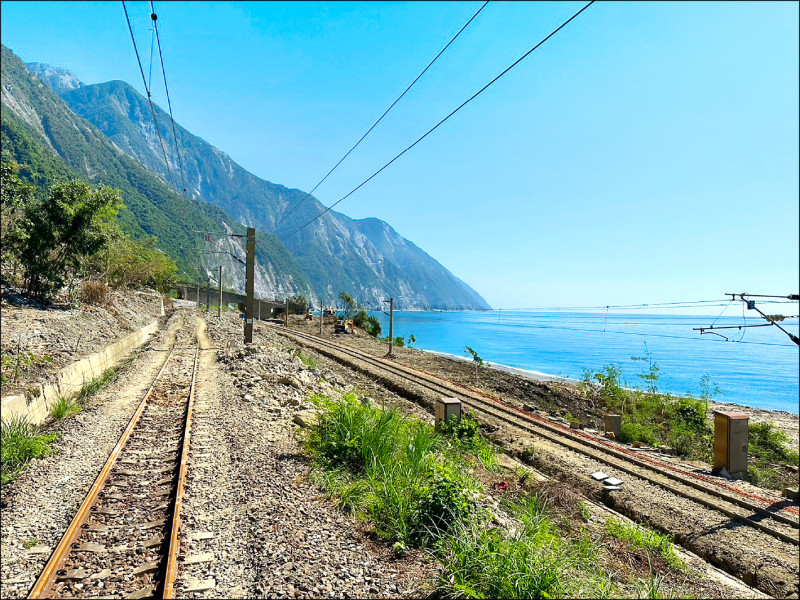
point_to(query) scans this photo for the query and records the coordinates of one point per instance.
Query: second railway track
(759, 512)
(123, 541)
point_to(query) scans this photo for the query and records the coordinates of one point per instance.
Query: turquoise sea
(757, 367)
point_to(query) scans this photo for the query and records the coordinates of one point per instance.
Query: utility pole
(286, 314)
(249, 284)
(321, 317)
(208, 295)
(391, 325)
(197, 299)
(219, 308)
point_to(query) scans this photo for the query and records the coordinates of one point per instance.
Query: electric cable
(384, 114)
(462, 105)
(154, 17)
(147, 89)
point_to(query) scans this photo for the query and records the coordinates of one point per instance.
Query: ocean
(756, 367)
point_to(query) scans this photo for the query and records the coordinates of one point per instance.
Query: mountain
(365, 258)
(41, 131)
(60, 80)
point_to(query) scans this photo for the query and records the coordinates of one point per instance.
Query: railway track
(773, 517)
(123, 540)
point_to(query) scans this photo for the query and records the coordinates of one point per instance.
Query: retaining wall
(70, 379)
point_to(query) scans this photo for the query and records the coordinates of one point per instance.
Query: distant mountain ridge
(59, 79)
(365, 258)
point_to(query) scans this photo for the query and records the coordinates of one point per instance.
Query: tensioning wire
(435, 127)
(383, 115)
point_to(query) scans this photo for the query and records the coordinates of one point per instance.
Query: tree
(64, 230)
(298, 304)
(349, 303)
(15, 196)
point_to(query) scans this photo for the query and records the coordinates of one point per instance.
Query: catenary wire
(384, 114)
(166, 89)
(462, 105)
(147, 89)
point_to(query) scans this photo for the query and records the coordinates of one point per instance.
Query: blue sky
(646, 153)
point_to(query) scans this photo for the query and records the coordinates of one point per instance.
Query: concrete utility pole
(286, 314)
(391, 325)
(208, 295)
(249, 284)
(321, 317)
(219, 308)
(197, 299)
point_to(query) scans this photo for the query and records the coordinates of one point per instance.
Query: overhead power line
(384, 113)
(462, 105)
(147, 89)
(154, 17)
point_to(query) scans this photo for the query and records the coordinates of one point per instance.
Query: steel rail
(561, 433)
(46, 578)
(174, 542)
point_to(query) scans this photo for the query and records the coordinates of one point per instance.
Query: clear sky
(646, 153)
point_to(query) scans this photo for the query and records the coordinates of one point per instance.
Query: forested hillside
(40, 131)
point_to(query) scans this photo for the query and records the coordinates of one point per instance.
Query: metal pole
(391, 325)
(259, 310)
(249, 285)
(219, 308)
(208, 295)
(197, 299)
(321, 313)
(286, 314)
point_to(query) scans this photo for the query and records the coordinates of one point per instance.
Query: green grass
(20, 442)
(95, 385)
(64, 407)
(417, 487)
(307, 360)
(642, 537)
(768, 447)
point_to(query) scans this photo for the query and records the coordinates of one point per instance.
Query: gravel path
(248, 505)
(39, 505)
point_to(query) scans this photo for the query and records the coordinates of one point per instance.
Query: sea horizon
(756, 367)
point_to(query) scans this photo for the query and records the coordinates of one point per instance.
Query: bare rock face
(60, 80)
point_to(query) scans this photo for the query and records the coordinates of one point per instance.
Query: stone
(306, 418)
(790, 493)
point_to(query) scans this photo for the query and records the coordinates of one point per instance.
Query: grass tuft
(642, 537)
(64, 407)
(20, 443)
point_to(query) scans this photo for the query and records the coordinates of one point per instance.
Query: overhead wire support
(435, 58)
(149, 98)
(751, 305)
(154, 18)
(462, 105)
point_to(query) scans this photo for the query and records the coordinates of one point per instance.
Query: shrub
(768, 443)
(94, 292)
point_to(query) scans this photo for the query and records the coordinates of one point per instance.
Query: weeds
(64, 407)
(642, 537)
(415, 486)
(307, 360)
(20, 442)
(95, 385)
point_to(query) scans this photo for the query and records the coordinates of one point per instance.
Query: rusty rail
(47, 576)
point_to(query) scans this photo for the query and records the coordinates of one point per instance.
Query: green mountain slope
(369, 260)
(39, 129)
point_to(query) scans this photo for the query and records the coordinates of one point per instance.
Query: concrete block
(613, 425)
(790, 493)
(599, 476)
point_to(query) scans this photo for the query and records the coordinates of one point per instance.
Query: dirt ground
(37, 341)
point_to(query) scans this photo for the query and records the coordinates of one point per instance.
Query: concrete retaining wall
(70, 379)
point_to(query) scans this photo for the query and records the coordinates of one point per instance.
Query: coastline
(784, 420)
